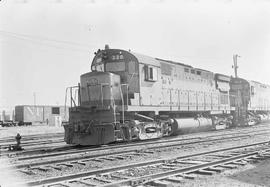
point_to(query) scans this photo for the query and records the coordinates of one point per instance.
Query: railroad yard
(232, 157)
(151, 93)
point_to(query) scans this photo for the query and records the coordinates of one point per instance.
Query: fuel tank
(190, 125)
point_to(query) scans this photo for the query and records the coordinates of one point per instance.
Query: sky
(45, 45)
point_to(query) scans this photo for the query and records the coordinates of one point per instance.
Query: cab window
(151, 73)
(131, 67)
(252, 90)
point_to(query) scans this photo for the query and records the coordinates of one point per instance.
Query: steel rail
(117, 153)
(29, 144)
(69, 149)
(32, 137)
(53, 180)
(124, 144)
(186, 170)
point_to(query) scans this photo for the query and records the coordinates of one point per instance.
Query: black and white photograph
(147, 93)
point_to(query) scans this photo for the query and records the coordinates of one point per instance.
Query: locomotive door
(239, 96)
(241, 106)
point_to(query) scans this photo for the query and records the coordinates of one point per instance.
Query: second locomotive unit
(129, 96)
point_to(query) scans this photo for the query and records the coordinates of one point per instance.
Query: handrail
(127, 85)
(71, 98)
(66, 102)
(114, 113)
(122, 99)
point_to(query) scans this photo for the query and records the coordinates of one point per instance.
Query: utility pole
(235, 66)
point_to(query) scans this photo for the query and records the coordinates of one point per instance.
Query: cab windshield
(98, 67)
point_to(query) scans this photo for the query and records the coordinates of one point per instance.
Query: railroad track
(52, 151)
(33, 143)
(32, 146)
(85, 159)
(69, 149)
(115, 154)
(160, 171)
(31, 137)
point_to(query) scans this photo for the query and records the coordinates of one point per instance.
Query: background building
(50, 115)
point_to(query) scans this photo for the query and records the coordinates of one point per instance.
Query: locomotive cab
(119, 62)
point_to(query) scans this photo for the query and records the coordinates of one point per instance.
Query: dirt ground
(7, 175)
(29, 130)
(251, 175)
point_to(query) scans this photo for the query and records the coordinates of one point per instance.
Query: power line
(45, 44)
(44, 40)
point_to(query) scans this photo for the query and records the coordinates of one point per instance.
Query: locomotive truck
(129, 96)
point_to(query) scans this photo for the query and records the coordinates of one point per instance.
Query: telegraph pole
(235, 66)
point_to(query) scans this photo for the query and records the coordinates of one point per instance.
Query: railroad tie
(97, 160)
(81, 163)
(241, 163)
(148, 151)
(64, 184)
(160, 183)
(187, 176)
(83, 181)
(259, 157)
(42, 168)
(102, 179)
(28, 172)
(109, 158)
(228, 166)
(234, 153)
(170, 165)
(191, 162)
(138, 154)
(251, 159)
(174, 179)
(119, 157)
(266, 155)
(56, 167)
(221, 156)
(216, 169)
(204, 172)
(87, 160)
(66, 164)
(119, 177)
(90, 181)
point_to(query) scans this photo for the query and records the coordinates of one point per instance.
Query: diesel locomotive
(129, 96)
